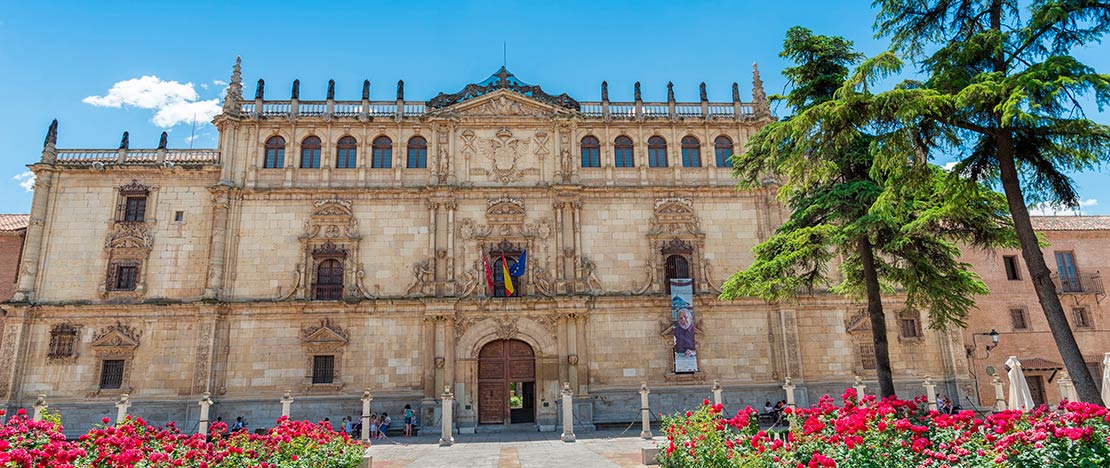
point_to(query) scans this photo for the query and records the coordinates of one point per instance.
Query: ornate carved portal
(506, 231)
(677, 243)
(330, 267)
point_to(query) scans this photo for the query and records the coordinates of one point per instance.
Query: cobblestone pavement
(603, 449)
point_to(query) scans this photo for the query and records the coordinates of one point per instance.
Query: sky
(105, 67)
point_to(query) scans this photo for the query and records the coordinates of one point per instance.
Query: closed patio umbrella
(1106, 378)
(1020, 397)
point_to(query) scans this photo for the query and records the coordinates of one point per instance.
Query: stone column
(717, 392)
(447, 437)
(40, 407)
(645, 423)
(577, 220)
(205, 403)
(429, 357)
(286, 403)
(121, 408)
(452, 206)
(581, 351)
(568, 413)
(999, 394)
(366, 399)
(449, 351)
(860, 387)
(220, 210)
(563, 348)
(560, 271)
(930, 391)
(32, 242)
(433, 233)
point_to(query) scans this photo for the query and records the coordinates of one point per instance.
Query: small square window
(323, 369)
(1011, 263)
(1082, 317)
(111, 374)
(1018, 319)
(179, 216)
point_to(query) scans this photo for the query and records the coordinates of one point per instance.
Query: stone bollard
(366, 399)
(930, 391)
(286, 403)
(999, 394)
(568, 413)
(717, 392)
(121, 408)
(40, 407)
(789, 387)
(447, 437)
(860, 387)
(645, 433)
(367, 459)
(205, 403)
(1067, 387)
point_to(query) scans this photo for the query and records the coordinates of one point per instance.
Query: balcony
(327, 292)
(1083, 283)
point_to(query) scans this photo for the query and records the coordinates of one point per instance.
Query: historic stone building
(328, 246)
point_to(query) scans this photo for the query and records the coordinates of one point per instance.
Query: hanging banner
(682, 320)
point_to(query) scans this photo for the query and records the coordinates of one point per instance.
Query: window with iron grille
(1082, 317)
(111, 374)
(1018, 319)
(63, 341)
(867, 356)
(1012, 272)
(329, 280)
(134, 209)
(323, 369)
(910, 328)
(123, 276)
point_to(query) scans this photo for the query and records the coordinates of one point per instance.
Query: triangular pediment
(503, 103)
(325, 334)
(119, 336)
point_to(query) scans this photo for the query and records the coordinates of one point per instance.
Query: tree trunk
(878, 319)
(1042, 278)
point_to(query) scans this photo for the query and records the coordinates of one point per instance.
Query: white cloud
(1045, 209)
(26, 179)
(219, 82)
(949, 166)
(174, 103)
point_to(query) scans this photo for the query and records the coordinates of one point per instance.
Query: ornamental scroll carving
(331, 232)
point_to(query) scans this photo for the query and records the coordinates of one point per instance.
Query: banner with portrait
(682, 321)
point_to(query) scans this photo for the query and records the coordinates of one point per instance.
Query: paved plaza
(603, 449)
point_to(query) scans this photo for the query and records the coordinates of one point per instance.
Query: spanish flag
(509, 289)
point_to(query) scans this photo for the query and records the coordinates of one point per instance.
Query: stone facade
(205, 270)
(1012, 308)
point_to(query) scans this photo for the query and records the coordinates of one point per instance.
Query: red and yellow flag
(489, 274)
(509, 290)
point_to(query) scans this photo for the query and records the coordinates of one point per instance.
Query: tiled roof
(14, 222)
(1071, 223)
(1039, 364)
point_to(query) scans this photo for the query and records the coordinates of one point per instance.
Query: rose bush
(890, 433)
(134, 443)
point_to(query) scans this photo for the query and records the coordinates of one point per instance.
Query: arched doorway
(506, 383)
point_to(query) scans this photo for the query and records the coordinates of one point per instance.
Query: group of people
(945, 405)
(774, 412)
(379, 425)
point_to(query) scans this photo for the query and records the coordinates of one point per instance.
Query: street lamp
(993, 344)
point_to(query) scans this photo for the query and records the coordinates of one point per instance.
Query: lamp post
(993, 344)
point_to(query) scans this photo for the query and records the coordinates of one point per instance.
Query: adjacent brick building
(13, 228)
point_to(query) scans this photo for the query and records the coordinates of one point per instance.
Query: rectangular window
(910, 328)
(125, 277)
(867, 356)
(323, 369)
(134, 210)
(1012, 273)
(1018, 320)
(179, 216)
(1082, 317)
(1069, 274)
(111, 374)
(63, 341)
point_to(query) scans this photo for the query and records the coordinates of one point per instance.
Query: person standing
(408, 421)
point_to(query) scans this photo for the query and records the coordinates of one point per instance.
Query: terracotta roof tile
(1039, 364)
(14, 222)
(1071, 223)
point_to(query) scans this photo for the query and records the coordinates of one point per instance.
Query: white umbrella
(1106, 379)
(1020, 397)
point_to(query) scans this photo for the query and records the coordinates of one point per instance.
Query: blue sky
(61, 58)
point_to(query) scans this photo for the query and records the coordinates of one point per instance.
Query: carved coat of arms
(504, 152)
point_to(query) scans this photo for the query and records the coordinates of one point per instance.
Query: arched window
(622, 152)
(310, 153)
(418, 153)
(275, 153)
(591, 152)
(329, 280)
(676, 267)
(691, 152)
(657, 152)
(346, 153)
(722, 148)
(382, 153)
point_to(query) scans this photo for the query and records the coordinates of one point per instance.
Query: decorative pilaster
(220, 212)
(32, 243)
(581, 361)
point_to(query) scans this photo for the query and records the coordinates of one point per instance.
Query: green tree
(1002, 93)
(888, 229)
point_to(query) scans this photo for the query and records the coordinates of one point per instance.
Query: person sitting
(384, 427)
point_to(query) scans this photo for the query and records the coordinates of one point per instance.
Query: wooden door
(501, 362)
(1036, 389)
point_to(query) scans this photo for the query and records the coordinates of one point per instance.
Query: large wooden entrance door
(499, 363)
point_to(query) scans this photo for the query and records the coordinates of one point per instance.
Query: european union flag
(517, 270)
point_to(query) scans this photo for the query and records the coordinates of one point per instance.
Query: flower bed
(25, 443)
(890, 433)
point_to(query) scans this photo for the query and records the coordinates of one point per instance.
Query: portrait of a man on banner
(682, 321)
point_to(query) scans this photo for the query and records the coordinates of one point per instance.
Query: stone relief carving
(651, 269)
(325, 337)
(589, 277)
(504, 106)
(504, 152)
(471, 280)
(506, 328)
(541, 280)
(423, 278)
(130, 236)
(707, 273)
(116, 340)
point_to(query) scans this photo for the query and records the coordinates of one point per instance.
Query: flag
(489, 273)
(509, 289)
(517, 270)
